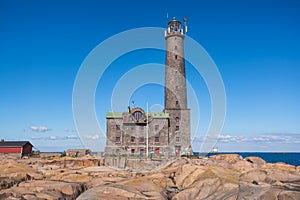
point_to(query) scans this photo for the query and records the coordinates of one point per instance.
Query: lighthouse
(175, 88)
(137, 132)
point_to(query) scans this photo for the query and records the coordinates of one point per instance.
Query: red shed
(20, 148)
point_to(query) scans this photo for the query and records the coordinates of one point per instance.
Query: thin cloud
(39, 128)
(70, 130)
(265, 138)
(54, 137)
(92, 137)
(268, 138)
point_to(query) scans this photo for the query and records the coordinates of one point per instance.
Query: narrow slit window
(118, 140)
(132, 139)
(156, 127)
(156, 139)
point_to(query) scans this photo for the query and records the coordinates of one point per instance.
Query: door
(177, 150)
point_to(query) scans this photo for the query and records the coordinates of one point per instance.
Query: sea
(291, 158)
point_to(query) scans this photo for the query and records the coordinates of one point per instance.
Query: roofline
(24, 143)
(10, 146)
(119, 115)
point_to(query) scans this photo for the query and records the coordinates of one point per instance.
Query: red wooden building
(18, 148)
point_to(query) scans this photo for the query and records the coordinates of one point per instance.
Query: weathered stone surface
(221, 177)
(141, 190)
(47, 189)
(255, 176)
(30, 197)
(49, 195)
(230, 158)
(69, 163)
(270, 194)
(242, 166)
(288, 195)
(255, 160)
(13, 173)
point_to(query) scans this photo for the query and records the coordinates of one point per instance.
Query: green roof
(159, 115)
(118, 115)
(115, 115)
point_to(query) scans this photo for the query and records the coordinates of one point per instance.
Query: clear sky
(255, 44)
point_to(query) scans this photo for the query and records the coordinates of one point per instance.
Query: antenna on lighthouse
(185, 26)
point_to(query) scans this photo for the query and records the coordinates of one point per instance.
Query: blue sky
(255, 44)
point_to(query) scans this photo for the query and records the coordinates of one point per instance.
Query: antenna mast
(185, 26)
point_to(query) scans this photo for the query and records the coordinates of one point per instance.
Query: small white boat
(215, 150)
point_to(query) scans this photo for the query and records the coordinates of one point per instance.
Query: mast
(147, 133)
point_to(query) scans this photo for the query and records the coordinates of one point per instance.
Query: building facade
(16, 148)
(77, 152)
(165, 133)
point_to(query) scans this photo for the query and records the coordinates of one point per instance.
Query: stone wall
(181, 137)
(158, 128)
(176, 97)
(175, 76)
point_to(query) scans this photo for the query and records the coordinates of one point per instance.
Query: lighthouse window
(156, 127)
(177, 139)
(175, 56)
(132, 139)
(177, 103)
(156, 139)
(141, 151)
(142, 140)
(177, 119)
(177, 128)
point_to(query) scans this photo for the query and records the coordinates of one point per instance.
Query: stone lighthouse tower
(175, 89)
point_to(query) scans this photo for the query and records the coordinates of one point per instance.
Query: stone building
(165, 133)
(77, 152)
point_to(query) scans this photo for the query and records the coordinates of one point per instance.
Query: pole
(147, 133)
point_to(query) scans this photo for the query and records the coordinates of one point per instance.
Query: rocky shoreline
(225, 176)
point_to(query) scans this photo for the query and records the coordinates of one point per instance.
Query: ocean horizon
(292, 158)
